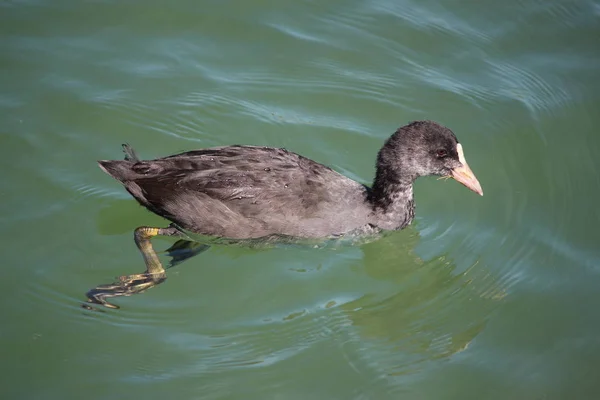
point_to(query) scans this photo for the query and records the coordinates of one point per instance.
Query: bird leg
(132, 284)
(142, 236)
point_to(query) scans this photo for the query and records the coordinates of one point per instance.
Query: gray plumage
(244, 192)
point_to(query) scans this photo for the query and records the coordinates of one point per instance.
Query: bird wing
(253, 190)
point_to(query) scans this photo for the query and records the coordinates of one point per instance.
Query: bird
(244, 192)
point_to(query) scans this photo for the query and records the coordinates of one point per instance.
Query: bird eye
(441, 153)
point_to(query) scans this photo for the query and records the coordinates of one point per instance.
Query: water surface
(492, 297)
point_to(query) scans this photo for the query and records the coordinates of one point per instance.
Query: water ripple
(433, 17)
(261, 345)
(516, 82)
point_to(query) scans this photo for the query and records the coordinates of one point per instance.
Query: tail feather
(121, 170)
(130, 154)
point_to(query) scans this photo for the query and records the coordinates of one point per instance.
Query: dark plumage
(243, 192)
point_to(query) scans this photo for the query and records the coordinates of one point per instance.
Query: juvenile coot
(244, 192)
(249, 192)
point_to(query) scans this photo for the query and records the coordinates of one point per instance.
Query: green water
(493, 297)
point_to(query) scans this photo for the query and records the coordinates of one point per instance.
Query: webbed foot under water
(243, 193)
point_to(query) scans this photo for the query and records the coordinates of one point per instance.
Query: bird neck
(393, 204)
